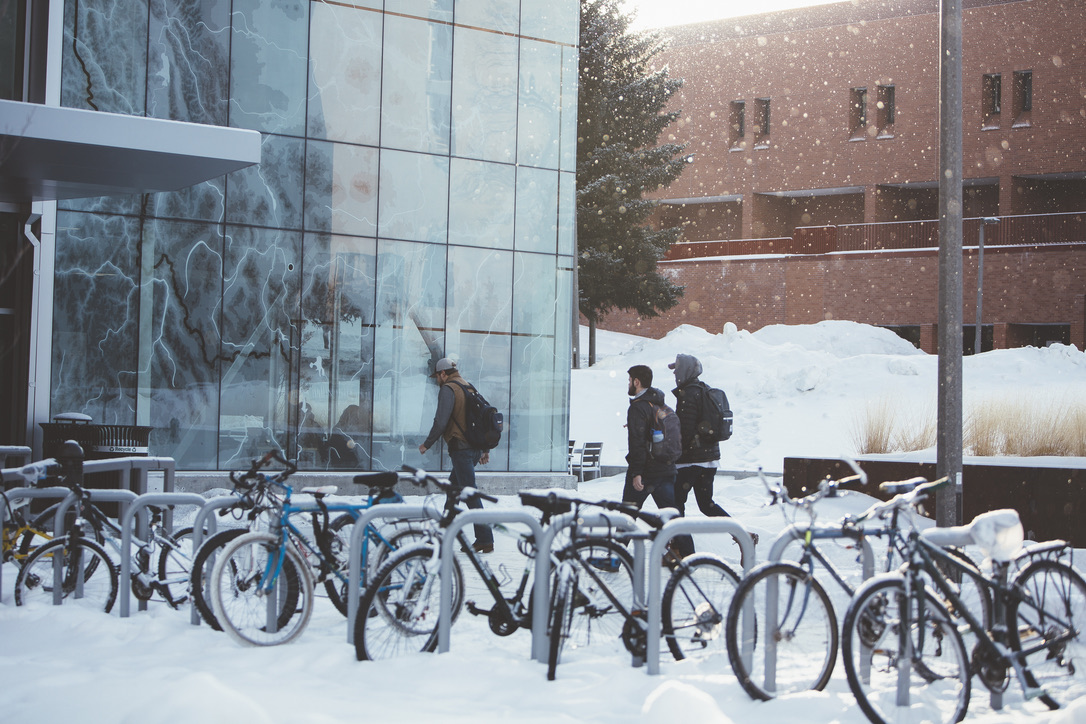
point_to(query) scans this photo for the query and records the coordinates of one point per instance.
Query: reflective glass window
(537, 210)
(189, 60)
(105, 56)
(414, 196)
(484, 110)
(341, 188)
(556, 20)
(432, 9)
(344, 74)
(270, 191)
(416, 85)
(268, 65)
(481, 201)
(570, 89)
(501, 15)
(539, 119)
(567, 211)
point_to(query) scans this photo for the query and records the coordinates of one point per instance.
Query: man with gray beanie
(696, 467)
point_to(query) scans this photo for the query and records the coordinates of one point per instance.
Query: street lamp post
(980, 280)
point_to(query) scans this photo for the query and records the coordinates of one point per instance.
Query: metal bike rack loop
(19, 494)
(598, 519)
(204, 518)
(128, 520)
(448, 553)
(124, 497)
(791, 534)
(679, 526)
(402, 511)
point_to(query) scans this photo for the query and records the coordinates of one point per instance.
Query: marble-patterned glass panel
(416, 85)
(129, 204)
(180, 341)
(270, 192)
(484, 98)
(105, 56)
(335, 388)
(344, 74)
(478, 324)
(188, 60)
(563, 354)
(96, 297)
(567, 211)
(570, 88)
(409, 340)
(537, 210)
(268, 65)
(341, 188)
(413, 196)
(481, 202)
(503, 15)
(205, 201)
(532, 379)
(539, 118)
(441, 10)
(260, 338)
(557, 20)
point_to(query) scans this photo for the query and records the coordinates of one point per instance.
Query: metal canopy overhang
(52, 153)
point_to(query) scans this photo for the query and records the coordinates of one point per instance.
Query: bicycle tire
(1054, 606)
(561, 616)
(199, 586)
(939, 680)
(974, 596)
(237, 591)
(34, 584)
(398, 612)
(594, 617)
(340, 546)
(175, 564)
(45, 522)
(803, 629)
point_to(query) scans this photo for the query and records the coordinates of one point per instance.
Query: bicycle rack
(403, 511)
(19, 494)
(448, 553)
(128, 519)
(679, 526)
(124, 497)
(795, 532)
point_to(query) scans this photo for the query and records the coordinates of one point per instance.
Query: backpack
(715, 424)
(484, 422)
(665, 426)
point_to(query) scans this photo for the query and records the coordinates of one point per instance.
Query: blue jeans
(463, 476)
(662, 490)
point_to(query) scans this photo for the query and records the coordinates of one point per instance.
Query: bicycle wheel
(239, 600)
(791, 645)
(595, 617)
(340, 546)
(875, 648)
(974, 595)
(561, 616)
(175, 565)
(44, 524)
(1048, 626)
(399, 609)
(695, 604)
(199, 583)
(88, 577)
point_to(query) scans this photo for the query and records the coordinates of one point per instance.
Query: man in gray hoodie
(696, 467)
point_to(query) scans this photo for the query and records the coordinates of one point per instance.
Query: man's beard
(631, 390)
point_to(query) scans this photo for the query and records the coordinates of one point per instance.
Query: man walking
(646, 475)
(450, 421)
(696, 467)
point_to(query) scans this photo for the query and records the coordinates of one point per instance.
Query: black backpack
(665, 426)
(715, 424)
(484, 422)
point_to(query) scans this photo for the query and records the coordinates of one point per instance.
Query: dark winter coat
(638, 427)
(690, 400)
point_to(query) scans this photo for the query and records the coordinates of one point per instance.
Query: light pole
(980, 280)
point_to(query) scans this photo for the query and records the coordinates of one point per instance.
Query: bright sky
(660, 13)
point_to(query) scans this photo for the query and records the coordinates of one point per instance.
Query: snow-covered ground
(795, 391)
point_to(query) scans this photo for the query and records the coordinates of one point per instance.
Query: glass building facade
(414, 200)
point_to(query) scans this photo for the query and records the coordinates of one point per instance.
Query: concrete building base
(496, 483)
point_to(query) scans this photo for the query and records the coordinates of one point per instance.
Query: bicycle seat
(549, 502)
(998, 534)
(385, 479)
(321, 490)
(897, 487)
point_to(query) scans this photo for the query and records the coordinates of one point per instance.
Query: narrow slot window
(1023, 97)
(885, 106)
(992, 99)
(761, 139)
(857, 114)
(737, 124)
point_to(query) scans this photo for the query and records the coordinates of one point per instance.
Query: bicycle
(693, 604)
(251, 567)
(21, 535)
(904, 656)
(792, 641)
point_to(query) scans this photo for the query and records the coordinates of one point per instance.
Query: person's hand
(485, 458)
(637, 483)
(422, 449)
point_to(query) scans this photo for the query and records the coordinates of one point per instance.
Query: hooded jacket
(689, 404)
(638, 426)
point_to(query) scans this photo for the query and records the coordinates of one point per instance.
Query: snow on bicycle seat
(322, 490)
(998, 534)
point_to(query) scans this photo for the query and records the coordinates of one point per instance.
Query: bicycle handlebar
(914, 490)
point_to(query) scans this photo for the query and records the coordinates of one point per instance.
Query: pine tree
(621, 114)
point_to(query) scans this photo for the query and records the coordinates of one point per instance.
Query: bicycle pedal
(475, 610)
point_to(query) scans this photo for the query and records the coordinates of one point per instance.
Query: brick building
(814, 181)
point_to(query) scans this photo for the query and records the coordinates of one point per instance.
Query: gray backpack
(665, 435)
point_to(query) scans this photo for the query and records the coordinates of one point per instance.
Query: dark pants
(701, 480)
(463, 476)
(662, 490)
